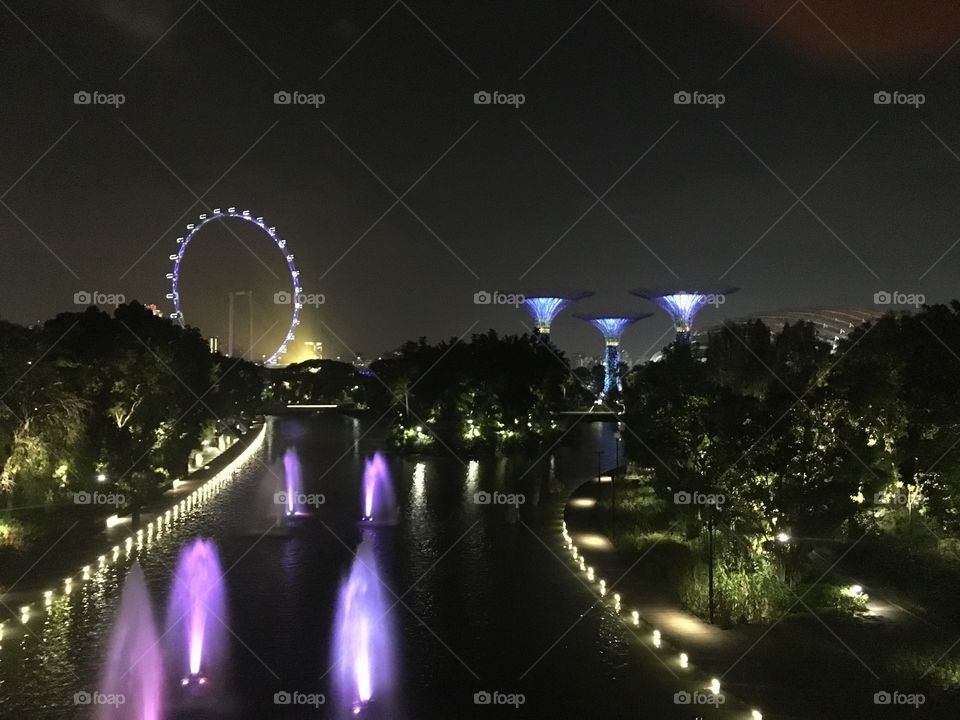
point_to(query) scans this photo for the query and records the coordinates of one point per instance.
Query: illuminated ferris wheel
(218, 214)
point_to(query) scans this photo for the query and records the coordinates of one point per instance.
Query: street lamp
(613, 480)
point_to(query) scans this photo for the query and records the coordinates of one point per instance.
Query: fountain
(134, 667)
(362, 638)
(294, 484)
(379, 503)
(197, 614)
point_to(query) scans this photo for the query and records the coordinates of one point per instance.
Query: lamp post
(613, 480)
(599, 458)
(710, 553)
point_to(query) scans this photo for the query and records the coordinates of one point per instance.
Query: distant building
(214, 344)
(316, 348)
(830, 323)
(157, 312)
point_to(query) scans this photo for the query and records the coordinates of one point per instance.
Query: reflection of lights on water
(86, 572)
(47, 597)
(25, 614)
(419, 477)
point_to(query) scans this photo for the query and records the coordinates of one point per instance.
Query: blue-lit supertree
(683, 305)
(544, 308)
(612, 327)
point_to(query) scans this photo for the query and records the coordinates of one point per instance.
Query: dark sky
(506, 200)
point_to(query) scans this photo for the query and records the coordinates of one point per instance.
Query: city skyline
(799, 187)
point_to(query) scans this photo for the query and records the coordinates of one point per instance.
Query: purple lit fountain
(379, 503)
(134, 665)
(363, 644)
(197, 614)
(293, 483)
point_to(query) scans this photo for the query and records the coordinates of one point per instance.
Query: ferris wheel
(296, 301)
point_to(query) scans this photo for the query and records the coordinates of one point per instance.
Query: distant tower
(544, 308)
(214, 344)
(612, 327)
(316, 347)
(683, 305)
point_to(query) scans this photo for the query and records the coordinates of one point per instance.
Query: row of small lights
(656, 636)
(154, 528)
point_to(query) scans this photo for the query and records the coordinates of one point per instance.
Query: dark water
(484, 604)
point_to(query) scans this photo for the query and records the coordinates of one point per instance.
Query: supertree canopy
(612, 327)
(683, 305)
(544, 308)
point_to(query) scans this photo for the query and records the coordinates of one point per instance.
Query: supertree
(544, 308)
(612, 327)
(683, 305)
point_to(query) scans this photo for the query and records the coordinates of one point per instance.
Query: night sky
(492, 197)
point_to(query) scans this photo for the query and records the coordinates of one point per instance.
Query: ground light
(715, 686)
(756, 715)
(684, 660)
(656, 644)
(208, 489)
(855, 591)
(783, 537)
